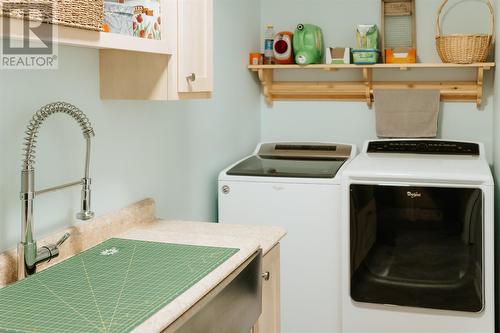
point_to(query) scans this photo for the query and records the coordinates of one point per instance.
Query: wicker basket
(464, 48)
(84, 14)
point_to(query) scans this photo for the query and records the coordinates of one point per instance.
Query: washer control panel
(424, 147)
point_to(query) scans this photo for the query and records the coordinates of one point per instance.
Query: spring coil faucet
(28, 254)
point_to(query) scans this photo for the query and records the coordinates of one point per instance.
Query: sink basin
(112, 287)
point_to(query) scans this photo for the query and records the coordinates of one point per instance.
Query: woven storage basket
(464, 48)
(85, 14)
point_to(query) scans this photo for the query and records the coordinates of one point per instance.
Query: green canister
(308, 44)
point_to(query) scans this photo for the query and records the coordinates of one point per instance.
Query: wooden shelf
(94, 39)
(457, 91)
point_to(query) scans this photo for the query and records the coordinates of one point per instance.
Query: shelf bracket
(480, 86)
(266, 77)
(368, 79)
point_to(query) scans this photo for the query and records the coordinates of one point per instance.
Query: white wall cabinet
(186, 72)
(195, 45)
(179, 66)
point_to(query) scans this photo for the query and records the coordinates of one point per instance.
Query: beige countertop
(246, 238)
(138, 222)
(266, 236)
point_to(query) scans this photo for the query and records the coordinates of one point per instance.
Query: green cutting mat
(112, 287)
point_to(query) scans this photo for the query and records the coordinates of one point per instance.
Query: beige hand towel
(406, 113)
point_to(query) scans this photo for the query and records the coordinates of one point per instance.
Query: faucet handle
(63, 239)
(47, 252)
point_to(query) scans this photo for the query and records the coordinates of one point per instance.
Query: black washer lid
(257, 166)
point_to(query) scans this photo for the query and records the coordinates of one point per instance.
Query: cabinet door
(195, 45)
(269, 321)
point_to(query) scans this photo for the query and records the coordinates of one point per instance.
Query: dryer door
(417, 246)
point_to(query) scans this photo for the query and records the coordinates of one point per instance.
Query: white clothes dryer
(418, 238)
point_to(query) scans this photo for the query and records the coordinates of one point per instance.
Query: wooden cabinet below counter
(269, 320)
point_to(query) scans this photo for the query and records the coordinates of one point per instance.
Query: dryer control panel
(435, 147)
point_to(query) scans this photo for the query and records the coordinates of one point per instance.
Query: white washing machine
(418, 238)
(296, 186)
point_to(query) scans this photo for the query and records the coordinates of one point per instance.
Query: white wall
(354, 122)
(171, 151)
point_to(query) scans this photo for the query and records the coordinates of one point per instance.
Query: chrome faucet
(28, 254)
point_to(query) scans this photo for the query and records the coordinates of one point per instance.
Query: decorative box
(118, 18)
(139, 18)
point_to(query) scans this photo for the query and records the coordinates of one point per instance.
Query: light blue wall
(496, 175)
(354, 122)
(171, 151)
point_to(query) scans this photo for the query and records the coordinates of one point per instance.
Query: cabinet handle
(191, 77)
(266, 276)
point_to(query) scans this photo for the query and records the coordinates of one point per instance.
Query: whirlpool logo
(414, 195)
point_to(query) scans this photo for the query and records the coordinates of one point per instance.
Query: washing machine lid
(294, 160)
(258, 166)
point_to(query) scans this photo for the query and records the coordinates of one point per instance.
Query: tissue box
(367, 36)
(139, 18)
(338, 55)
(365, 56)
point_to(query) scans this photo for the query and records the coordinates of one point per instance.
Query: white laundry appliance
(418, 239)
(296, 186)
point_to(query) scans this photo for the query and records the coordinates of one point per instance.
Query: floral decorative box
(139, 18)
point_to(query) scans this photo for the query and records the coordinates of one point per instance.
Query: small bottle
(268, 45)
